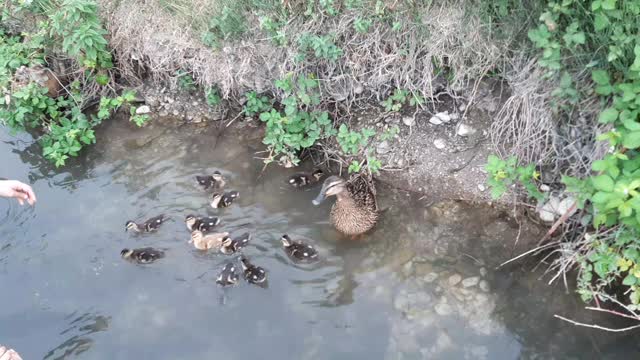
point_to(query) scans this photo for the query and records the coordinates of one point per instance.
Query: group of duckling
(354, 213)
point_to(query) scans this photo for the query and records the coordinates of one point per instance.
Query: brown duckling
(305, 179)
(205, 242)
(252, 273)
(148, 226)
(215, 181)
(231, 246)
(228, 275)
(221, 200)
(143, 255)
(298, 250)
(204, 224)
(355, 210)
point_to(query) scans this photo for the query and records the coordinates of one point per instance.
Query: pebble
(565, 205)
(545, 188)
(176, 113)
(144, 109)
(454, 116)
(465, 130)
(163, 113)
(439, 143)
(444, 116)
(484, 286)
(483, 272)
(481, 187)
(443, 309)
(454, 279)
(408, 120)
(462, 107)
(435, 120)
(430, 277)
(471, 281)
(383, 148)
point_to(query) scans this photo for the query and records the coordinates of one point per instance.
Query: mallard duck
(204, 224)
(298, 250)
(355, 210)
(221, 200)
(231, 246)
(252, 273)
(148, 226)
(205, 242)
(228, 275)
(305, 179)
(143, 255)
(211, 181)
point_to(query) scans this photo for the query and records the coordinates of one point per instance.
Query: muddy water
(422, 286)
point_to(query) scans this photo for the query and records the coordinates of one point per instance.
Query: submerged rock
(471, 281)
(443, 309)
(454, 279)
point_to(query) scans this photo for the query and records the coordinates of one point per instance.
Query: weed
(503, 174)
(212, 96)
(362, 25)
(323, 47)
(396, 100)
(256, 104)
(185, 81)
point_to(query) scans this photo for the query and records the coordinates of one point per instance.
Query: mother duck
(355, 210)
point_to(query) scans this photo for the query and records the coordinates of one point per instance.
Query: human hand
(16, 189)
(8, 354)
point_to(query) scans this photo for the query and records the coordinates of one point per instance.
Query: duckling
(148, 226)
(143, 255)
(224, 200)
(231, 246)
(206, 242)
(355, 211)
(252, 273)
(305, 179)
(211, 181)
(228, 275)
(299, 251)
(199, 223)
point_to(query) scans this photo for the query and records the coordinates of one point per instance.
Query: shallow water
(67, 294)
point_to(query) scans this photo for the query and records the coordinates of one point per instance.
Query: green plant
(351, 142)
(212, 96)
(229, 23)
(397, 100)
(256, 104)
(504, 173)
(390, 133)
(362, 25)
(185, 81)
(300, 124)
(275, 29)
(323, 46)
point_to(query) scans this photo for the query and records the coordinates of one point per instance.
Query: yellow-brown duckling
(148, 226)
(209, 241)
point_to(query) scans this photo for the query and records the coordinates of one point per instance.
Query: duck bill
(319, 199)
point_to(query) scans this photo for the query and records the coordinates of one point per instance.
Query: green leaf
(600, 22)
(600, 77)
(609, 4)
(631, 140)
(630, 280)
(603, 183)
(608, 115)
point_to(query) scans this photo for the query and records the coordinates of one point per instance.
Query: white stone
(481, 187)
(462, 107)
(465, 130)
(483, 272)
(454, 116)
(408, 120)
(545, 188)
(471, 281)
(443, 309)
(444, 116)
(144, 109)
(383, 148)
(548, 211)
(484, 286)
(439, 143)
(454, 279)
(435, 120)
(430, 277)
(565, 205)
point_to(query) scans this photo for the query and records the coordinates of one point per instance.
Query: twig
(594, 326)
(559, 222)
(527, 253)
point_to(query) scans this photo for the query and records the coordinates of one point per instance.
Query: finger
(20, 201)
(24, 188)
(6, 356)
(15, 355)
(2, 350)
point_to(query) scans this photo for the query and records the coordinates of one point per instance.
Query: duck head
(317, 174)
(125, 253)
(190, 220)
(333, 185)
(286, 240)
(130, 225)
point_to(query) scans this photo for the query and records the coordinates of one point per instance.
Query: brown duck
(355, 210)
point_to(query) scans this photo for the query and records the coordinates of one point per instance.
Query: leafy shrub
(256, 104)
(362, 25)
(300, 124)
(212, 96)
(503, 174)
(323, 46)
(354, 143)
(185, 81)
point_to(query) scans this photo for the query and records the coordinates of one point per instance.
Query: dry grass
(147, 35)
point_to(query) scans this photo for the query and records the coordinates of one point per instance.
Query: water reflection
(79, 335)
(421, 286)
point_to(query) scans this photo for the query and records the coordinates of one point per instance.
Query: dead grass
(149, 35)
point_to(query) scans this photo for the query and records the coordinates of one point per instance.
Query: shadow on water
(421, 286)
